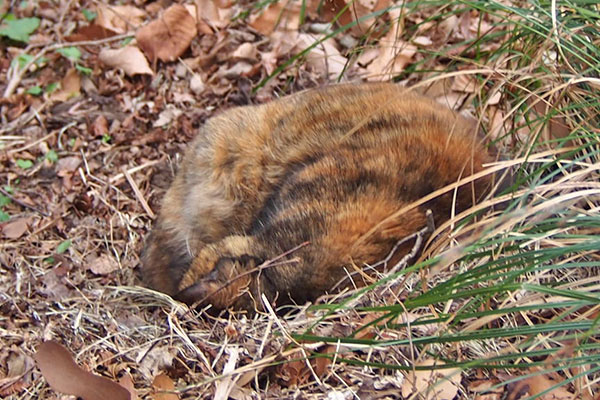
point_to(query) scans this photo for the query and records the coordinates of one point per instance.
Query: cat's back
(255, 146)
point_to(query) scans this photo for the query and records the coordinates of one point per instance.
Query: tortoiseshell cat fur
(321, 167)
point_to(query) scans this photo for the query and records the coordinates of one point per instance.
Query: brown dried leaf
(99, 127)
(434, 384)
(205, 19)
(367, 56)
(196, 84)
(358, 10)
(394, 54)
(162, 383)
(167, 115)
(90, 32)
(212, 15)
(293, 373)
(158, 358)
(14, 370)
(129, 58)
(70, 86)
(281, 16)
(245, 51)
(482, 389)
(63, 375)
(169, 36)
(154, 7)
(325, 57)
(465, 83)
(54, 288)
(16, 228)
(120, 19)
(269, 61)
(557, 128)
(534, 385)
(238, 69)
(321, 364)
(66, 165)
(127, 383)
(422, 41)
(103, 265)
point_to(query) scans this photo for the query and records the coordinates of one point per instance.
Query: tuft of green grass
(515, 289)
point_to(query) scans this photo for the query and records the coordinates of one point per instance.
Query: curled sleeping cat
(311, 180)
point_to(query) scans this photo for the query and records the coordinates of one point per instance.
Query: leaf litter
(118, 131)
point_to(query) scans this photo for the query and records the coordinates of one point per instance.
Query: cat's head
(223, 274)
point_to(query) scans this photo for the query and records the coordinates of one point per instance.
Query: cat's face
(221, 275)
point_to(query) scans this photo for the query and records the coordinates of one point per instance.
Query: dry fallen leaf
(16, 228)
(167, 115)
(212, 15)
(537, 384)
(367, 56)
(281, 16)
(245, 51)
(293, 373)
(66, 165)
(103, 265)
(53, 286)
(120, 19)
(63, 375)
(238, 69)
(127, 383)
(483, 391)
(99, 127)
(169, 36)
(395, 54)
(363, 12)
(325, 57)
(196, 84)
(439, 384)
(14, 373)
(70, 86)
(494, 98)
(90, 32)
(557, 128)
(162, 383)
(297, 372)
(129, 58)
(465, 83)
(269, 61)
(150, 362)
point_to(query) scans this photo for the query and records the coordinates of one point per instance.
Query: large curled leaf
(63, 375)
(168, 37)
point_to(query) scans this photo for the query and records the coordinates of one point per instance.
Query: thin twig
(138, 194)
(22, 204)
(23, 119)
(419, 236)
(122, 175)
